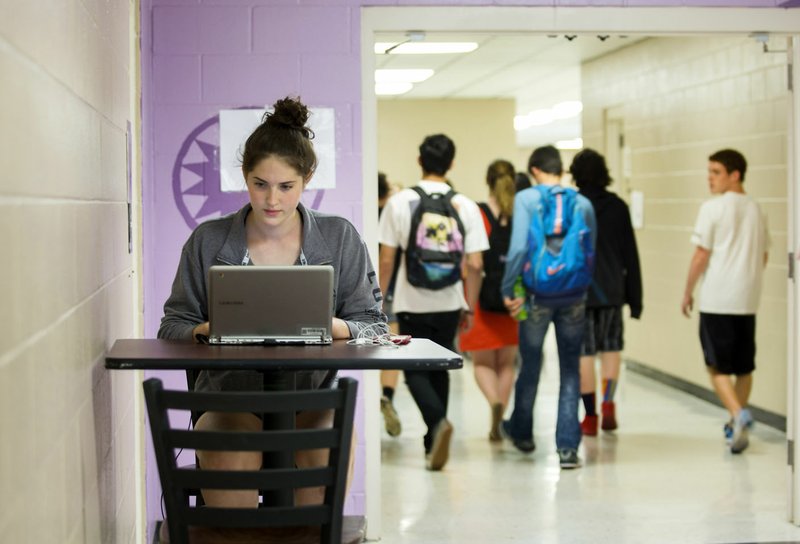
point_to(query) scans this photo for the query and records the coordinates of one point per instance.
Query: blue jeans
(569, 323)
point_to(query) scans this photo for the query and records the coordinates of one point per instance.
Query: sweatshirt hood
(599, 197)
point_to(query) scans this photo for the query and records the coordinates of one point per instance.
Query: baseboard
(766, 417)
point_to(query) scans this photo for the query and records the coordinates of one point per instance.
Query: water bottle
(521, 292)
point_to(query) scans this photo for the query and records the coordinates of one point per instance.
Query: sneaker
(440, 450)
(497, 419)
(741, 427)
(525, 446)
(568, 458)
(589, 425)
(390, 417)
(727, 429)
(609, 416)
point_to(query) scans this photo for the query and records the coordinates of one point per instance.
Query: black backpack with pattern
(435, 242)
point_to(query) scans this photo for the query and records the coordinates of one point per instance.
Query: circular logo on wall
(196, 184)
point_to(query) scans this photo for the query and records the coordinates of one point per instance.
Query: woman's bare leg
(229, 460)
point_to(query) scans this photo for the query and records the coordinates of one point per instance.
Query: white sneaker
(741, 426)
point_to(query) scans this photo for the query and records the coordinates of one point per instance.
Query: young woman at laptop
(274, 228)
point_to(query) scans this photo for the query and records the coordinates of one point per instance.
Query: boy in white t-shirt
(732, 241)
(432, 313)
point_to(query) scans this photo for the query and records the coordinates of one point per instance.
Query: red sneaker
(589, 426)
(609, 417)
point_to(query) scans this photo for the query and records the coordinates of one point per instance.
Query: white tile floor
(663, 477)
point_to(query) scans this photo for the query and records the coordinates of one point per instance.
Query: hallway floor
(664, 476)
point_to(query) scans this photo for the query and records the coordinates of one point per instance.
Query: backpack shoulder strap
(489, 217)
(421, 192)
(487, 211)
(448, 196)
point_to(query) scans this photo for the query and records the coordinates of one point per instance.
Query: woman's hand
(467, 321)
(339, 329)
(202, 329)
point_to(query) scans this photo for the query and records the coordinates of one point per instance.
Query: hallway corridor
(665, 476)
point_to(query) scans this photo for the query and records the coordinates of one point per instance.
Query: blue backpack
(560, 251)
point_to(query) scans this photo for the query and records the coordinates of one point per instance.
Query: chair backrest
(178, 482)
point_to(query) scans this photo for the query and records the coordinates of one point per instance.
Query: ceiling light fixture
(424, 48)
(411, 36)
(406, 75)
(392, 88)
(573, 144)
(536, 118)
(567, 109)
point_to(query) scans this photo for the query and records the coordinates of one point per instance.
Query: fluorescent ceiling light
(392, 88)
(568, 109)
(541, 117)
(536, 118)
(402, 75)
(545, 116)
(574, 143)
(425, 48)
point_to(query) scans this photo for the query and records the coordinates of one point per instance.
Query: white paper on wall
(637, 209)
(236, 125)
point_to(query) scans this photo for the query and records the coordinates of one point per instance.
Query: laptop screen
(270, 304)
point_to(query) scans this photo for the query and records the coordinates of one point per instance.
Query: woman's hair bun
(289, 112)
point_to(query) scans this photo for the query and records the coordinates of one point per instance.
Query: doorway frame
(632, 21)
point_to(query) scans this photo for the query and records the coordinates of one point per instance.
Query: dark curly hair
(283, 133)
(589, 169)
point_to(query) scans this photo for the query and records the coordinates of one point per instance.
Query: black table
(187, 355)
(152, 354)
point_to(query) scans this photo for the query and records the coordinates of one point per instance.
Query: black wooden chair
(197, 523)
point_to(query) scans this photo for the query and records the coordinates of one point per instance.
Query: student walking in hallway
(731, 240)
(429, 299)
(617, 281)
(493, 338)
(552, 248)
(389, 378)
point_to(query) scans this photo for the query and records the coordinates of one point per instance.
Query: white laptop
(270, 304)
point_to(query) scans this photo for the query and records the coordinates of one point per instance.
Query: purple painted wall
(200, 56)
(198, 59)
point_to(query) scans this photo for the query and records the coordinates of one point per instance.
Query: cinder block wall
(677, 100)
(67, 427)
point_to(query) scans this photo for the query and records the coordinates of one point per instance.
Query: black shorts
(603, 330)
(729, 342)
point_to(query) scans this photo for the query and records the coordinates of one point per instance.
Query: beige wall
(482, 130)
(68, 444)
(678, 100)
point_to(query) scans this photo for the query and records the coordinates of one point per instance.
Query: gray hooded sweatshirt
(327, 240)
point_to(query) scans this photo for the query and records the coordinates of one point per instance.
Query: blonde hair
(501, 179)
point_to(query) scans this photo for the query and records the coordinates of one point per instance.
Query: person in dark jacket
(617, 281)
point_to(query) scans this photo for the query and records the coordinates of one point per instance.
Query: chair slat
(262, 479)
(271, 480)
(258, 517)
(237, 401)
(253, 441)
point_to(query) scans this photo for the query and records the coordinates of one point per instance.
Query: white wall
(679, 100)
(68, 448)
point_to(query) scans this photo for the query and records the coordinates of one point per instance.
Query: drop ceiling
(536, 70)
